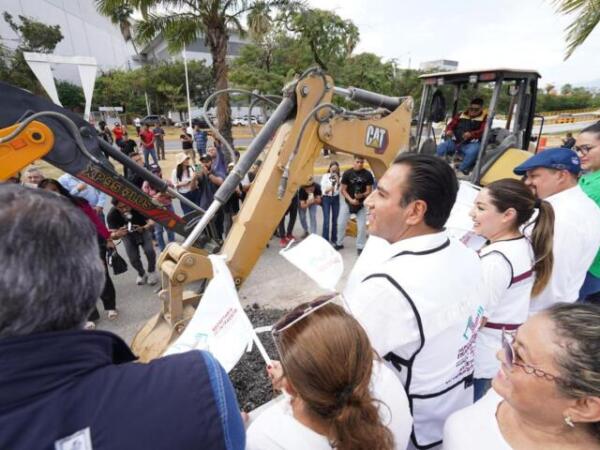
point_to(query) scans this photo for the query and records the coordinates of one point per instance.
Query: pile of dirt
(249, 376)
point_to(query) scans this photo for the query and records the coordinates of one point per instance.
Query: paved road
(174, 145)
(562, 127)
(273, 283)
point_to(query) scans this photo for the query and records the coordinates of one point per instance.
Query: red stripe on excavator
(160, 214)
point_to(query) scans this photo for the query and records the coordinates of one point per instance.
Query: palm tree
(588, 16)
(181, 22)
(121, 16)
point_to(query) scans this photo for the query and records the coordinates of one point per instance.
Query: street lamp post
(187, 89)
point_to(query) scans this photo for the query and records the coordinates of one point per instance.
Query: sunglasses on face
(297, 315)
(510, 359)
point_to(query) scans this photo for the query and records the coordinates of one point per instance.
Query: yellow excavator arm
(305, 122)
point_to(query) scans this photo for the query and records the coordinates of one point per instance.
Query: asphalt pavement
(274, 283)
(172, 145)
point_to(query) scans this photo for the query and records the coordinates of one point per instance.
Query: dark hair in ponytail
(510, 193)
(327, 358)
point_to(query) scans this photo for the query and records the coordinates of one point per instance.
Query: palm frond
(588, 16)
(179, 29)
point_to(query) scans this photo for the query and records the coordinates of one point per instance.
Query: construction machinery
(505, 142)
(303, 123)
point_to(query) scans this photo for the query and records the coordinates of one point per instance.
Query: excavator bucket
(30, 143)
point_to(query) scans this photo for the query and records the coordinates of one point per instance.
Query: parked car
(153, 119)
(244, 121)
(195, 121)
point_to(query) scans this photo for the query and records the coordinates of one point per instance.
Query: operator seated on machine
(463, 134)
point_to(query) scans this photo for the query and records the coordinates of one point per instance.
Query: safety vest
(438, 373)
(513, 307)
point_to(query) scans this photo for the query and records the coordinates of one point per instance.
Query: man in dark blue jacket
(65, 388)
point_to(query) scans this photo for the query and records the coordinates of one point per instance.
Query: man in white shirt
(95, 197)
(414, 291)
(552, 175)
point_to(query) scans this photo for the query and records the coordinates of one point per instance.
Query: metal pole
(147, 103)
(486, 132)
(421, 117)
(239, 171)
(187, 88)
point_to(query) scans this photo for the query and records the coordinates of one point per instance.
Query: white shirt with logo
(275, 427)
(576, 242)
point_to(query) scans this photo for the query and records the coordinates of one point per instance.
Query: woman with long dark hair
(185, 181)
(109, 294)
(514, 267)
(337, 393)
(330, 188)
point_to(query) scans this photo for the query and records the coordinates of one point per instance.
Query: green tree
(330, 38)
(566, 89)
(164, 83)
(70, 95)
(33, 36)
(121, 15)
(182, 22)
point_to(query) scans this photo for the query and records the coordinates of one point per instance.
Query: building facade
(439, 64)
(86, 33)
(157, 50)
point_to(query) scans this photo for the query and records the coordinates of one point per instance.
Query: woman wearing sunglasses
(336, 392)
(514, 267)
(588, 148)
(547, 393)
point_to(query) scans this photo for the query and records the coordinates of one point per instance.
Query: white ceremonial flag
(219, 324)
(460, 224)
(318, 259)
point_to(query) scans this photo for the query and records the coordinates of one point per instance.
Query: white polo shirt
(418, 301)
(476, 427)
(276, 428)
(576, 242)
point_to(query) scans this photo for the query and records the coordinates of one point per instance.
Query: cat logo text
(376, 138)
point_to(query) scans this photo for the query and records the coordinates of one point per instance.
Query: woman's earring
(569, 421)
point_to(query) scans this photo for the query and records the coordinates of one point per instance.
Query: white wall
(85, 31)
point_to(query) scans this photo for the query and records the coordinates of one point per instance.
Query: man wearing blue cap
(552, 175)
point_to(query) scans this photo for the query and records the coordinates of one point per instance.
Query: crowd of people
(430, 344)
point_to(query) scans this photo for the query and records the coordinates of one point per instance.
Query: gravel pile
(249, 376)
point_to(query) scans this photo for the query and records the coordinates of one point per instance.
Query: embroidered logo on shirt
(80, 440)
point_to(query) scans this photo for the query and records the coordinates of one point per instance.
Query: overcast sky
(478, 34)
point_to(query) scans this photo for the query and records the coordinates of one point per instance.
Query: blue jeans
(361, 225)
(158, 232)
(193, 197)
(312, 212)
(147, 153)
(331, 211)
(480, 387)
(470, 150)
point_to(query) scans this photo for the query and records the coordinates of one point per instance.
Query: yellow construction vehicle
(303, 123)
(506, 142)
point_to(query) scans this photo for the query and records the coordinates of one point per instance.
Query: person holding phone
(135, 231)
(330, 186)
